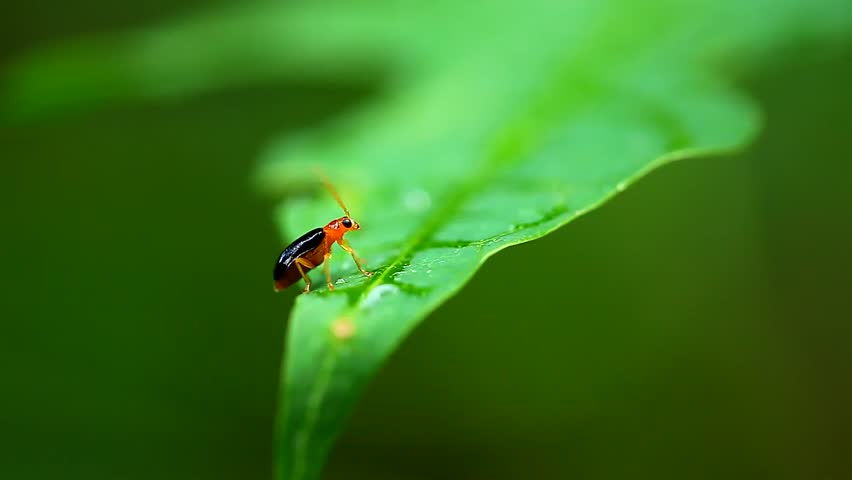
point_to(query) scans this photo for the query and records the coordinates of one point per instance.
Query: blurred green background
(695, 327)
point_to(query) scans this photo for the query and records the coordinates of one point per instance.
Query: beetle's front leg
(345, 245)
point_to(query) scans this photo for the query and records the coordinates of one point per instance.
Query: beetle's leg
(299, 262)
(343, 243)
(327, 269)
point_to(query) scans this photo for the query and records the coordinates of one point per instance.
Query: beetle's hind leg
(299, 263)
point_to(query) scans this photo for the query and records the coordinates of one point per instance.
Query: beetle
(314, 248)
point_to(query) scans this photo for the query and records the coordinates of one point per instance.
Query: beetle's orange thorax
(335, 229)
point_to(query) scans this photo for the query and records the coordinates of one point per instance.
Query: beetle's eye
(347, 223)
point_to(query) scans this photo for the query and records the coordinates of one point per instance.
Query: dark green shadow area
(141, 337)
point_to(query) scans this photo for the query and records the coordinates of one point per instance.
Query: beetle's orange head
(348, 224)
(340, 226)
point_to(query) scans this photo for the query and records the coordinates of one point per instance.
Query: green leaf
(501, 122)
(436, 201)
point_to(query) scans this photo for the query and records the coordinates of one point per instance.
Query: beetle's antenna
(333, 191)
